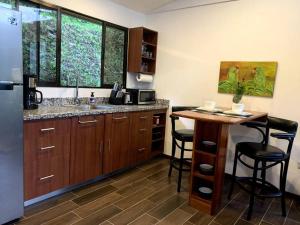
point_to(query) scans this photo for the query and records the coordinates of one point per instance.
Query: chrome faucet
(77, 101)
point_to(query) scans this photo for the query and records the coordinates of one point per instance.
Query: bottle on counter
(92, 99)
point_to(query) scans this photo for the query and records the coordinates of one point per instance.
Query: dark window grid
(61, 10)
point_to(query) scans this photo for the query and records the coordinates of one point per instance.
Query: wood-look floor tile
(92, 187)
(133, 198)
(100, 216)
(94, 195)
(177, 217)
(274, 215)
(162, 195)
(159, 175)
(98, 204)
(243, 222)
(145, 220)
(124, 181)
(157, 167)
(65, 219)
(187, 223)
(153, 163)
(135, 186)
(200, 218)
(106, 223)
(233, 210)
(259, 210)
(166, 207)
(132, 213)
(188, 209)
(294, 213)
(291, 222)
(50, 214)
(47, 204)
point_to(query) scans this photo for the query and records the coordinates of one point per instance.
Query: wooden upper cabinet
(86, 148)
(140, 141)
(142, 50)
(117, 134)
(46, 156)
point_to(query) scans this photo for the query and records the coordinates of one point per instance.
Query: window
(39, 41)
(114, 55)
(10, 4)
(81, 42)
(61, 46)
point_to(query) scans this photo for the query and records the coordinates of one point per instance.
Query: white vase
(237, 107)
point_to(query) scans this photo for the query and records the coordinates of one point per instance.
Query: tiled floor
(146, 196)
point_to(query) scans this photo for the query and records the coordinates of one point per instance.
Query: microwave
(141, 96)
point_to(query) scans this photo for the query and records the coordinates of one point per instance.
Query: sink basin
(79, 107)
(102, 107)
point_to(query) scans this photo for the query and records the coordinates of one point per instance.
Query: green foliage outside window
(36, 19)
(10, 4)
(114, 55)
(80, 52)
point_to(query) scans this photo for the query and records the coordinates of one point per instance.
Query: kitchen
(122, 142)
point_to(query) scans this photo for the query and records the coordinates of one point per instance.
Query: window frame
(61, 10)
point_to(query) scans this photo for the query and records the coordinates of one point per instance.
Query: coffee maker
(30, 96)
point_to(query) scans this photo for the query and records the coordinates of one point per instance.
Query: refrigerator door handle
(6, 85)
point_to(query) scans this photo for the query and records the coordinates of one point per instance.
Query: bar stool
(183, 136)
(265, 156)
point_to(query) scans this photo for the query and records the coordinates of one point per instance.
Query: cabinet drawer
(46, 156)
(143, 119)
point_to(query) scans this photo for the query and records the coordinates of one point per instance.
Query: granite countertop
(59, 111)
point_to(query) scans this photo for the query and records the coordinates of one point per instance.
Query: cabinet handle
(47, 177)
(47, 148)
(121, 118)
(109, 145)
(86, 122)
(141, 149)
(101, 146)
(143, 117)
(143, 130)
(47, 129)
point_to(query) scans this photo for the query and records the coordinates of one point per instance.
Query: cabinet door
(117, 134)
(86, 148)
(141, 133)
(46, 156)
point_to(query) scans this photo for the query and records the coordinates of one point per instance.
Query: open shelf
(142, 50)
(209, 178)
(158, 132)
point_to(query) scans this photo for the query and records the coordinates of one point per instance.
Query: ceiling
(143, 6)
(156, 6)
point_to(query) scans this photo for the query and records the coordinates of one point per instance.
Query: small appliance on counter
(31, 100)
(116, 95)
(142, 96)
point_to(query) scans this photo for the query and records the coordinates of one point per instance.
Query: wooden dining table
(211, 128)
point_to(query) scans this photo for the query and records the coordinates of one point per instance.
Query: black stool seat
(261, 151)
(184, 135)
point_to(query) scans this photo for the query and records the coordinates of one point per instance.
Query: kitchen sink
(89, 107)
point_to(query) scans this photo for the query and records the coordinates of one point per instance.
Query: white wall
(192, 43)
(105, 10)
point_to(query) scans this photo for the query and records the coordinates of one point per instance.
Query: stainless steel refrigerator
(11, 116)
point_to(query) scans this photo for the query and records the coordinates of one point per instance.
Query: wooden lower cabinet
(86, 148)
(140, 137)
(117, 134)
(46, 156)
(63, 152)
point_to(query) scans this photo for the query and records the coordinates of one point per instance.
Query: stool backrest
(177, 109)
(287, 128)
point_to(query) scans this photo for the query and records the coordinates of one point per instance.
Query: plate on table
(202, 108)
(246, 114)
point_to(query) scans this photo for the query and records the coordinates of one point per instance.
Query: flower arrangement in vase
(237, 106)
